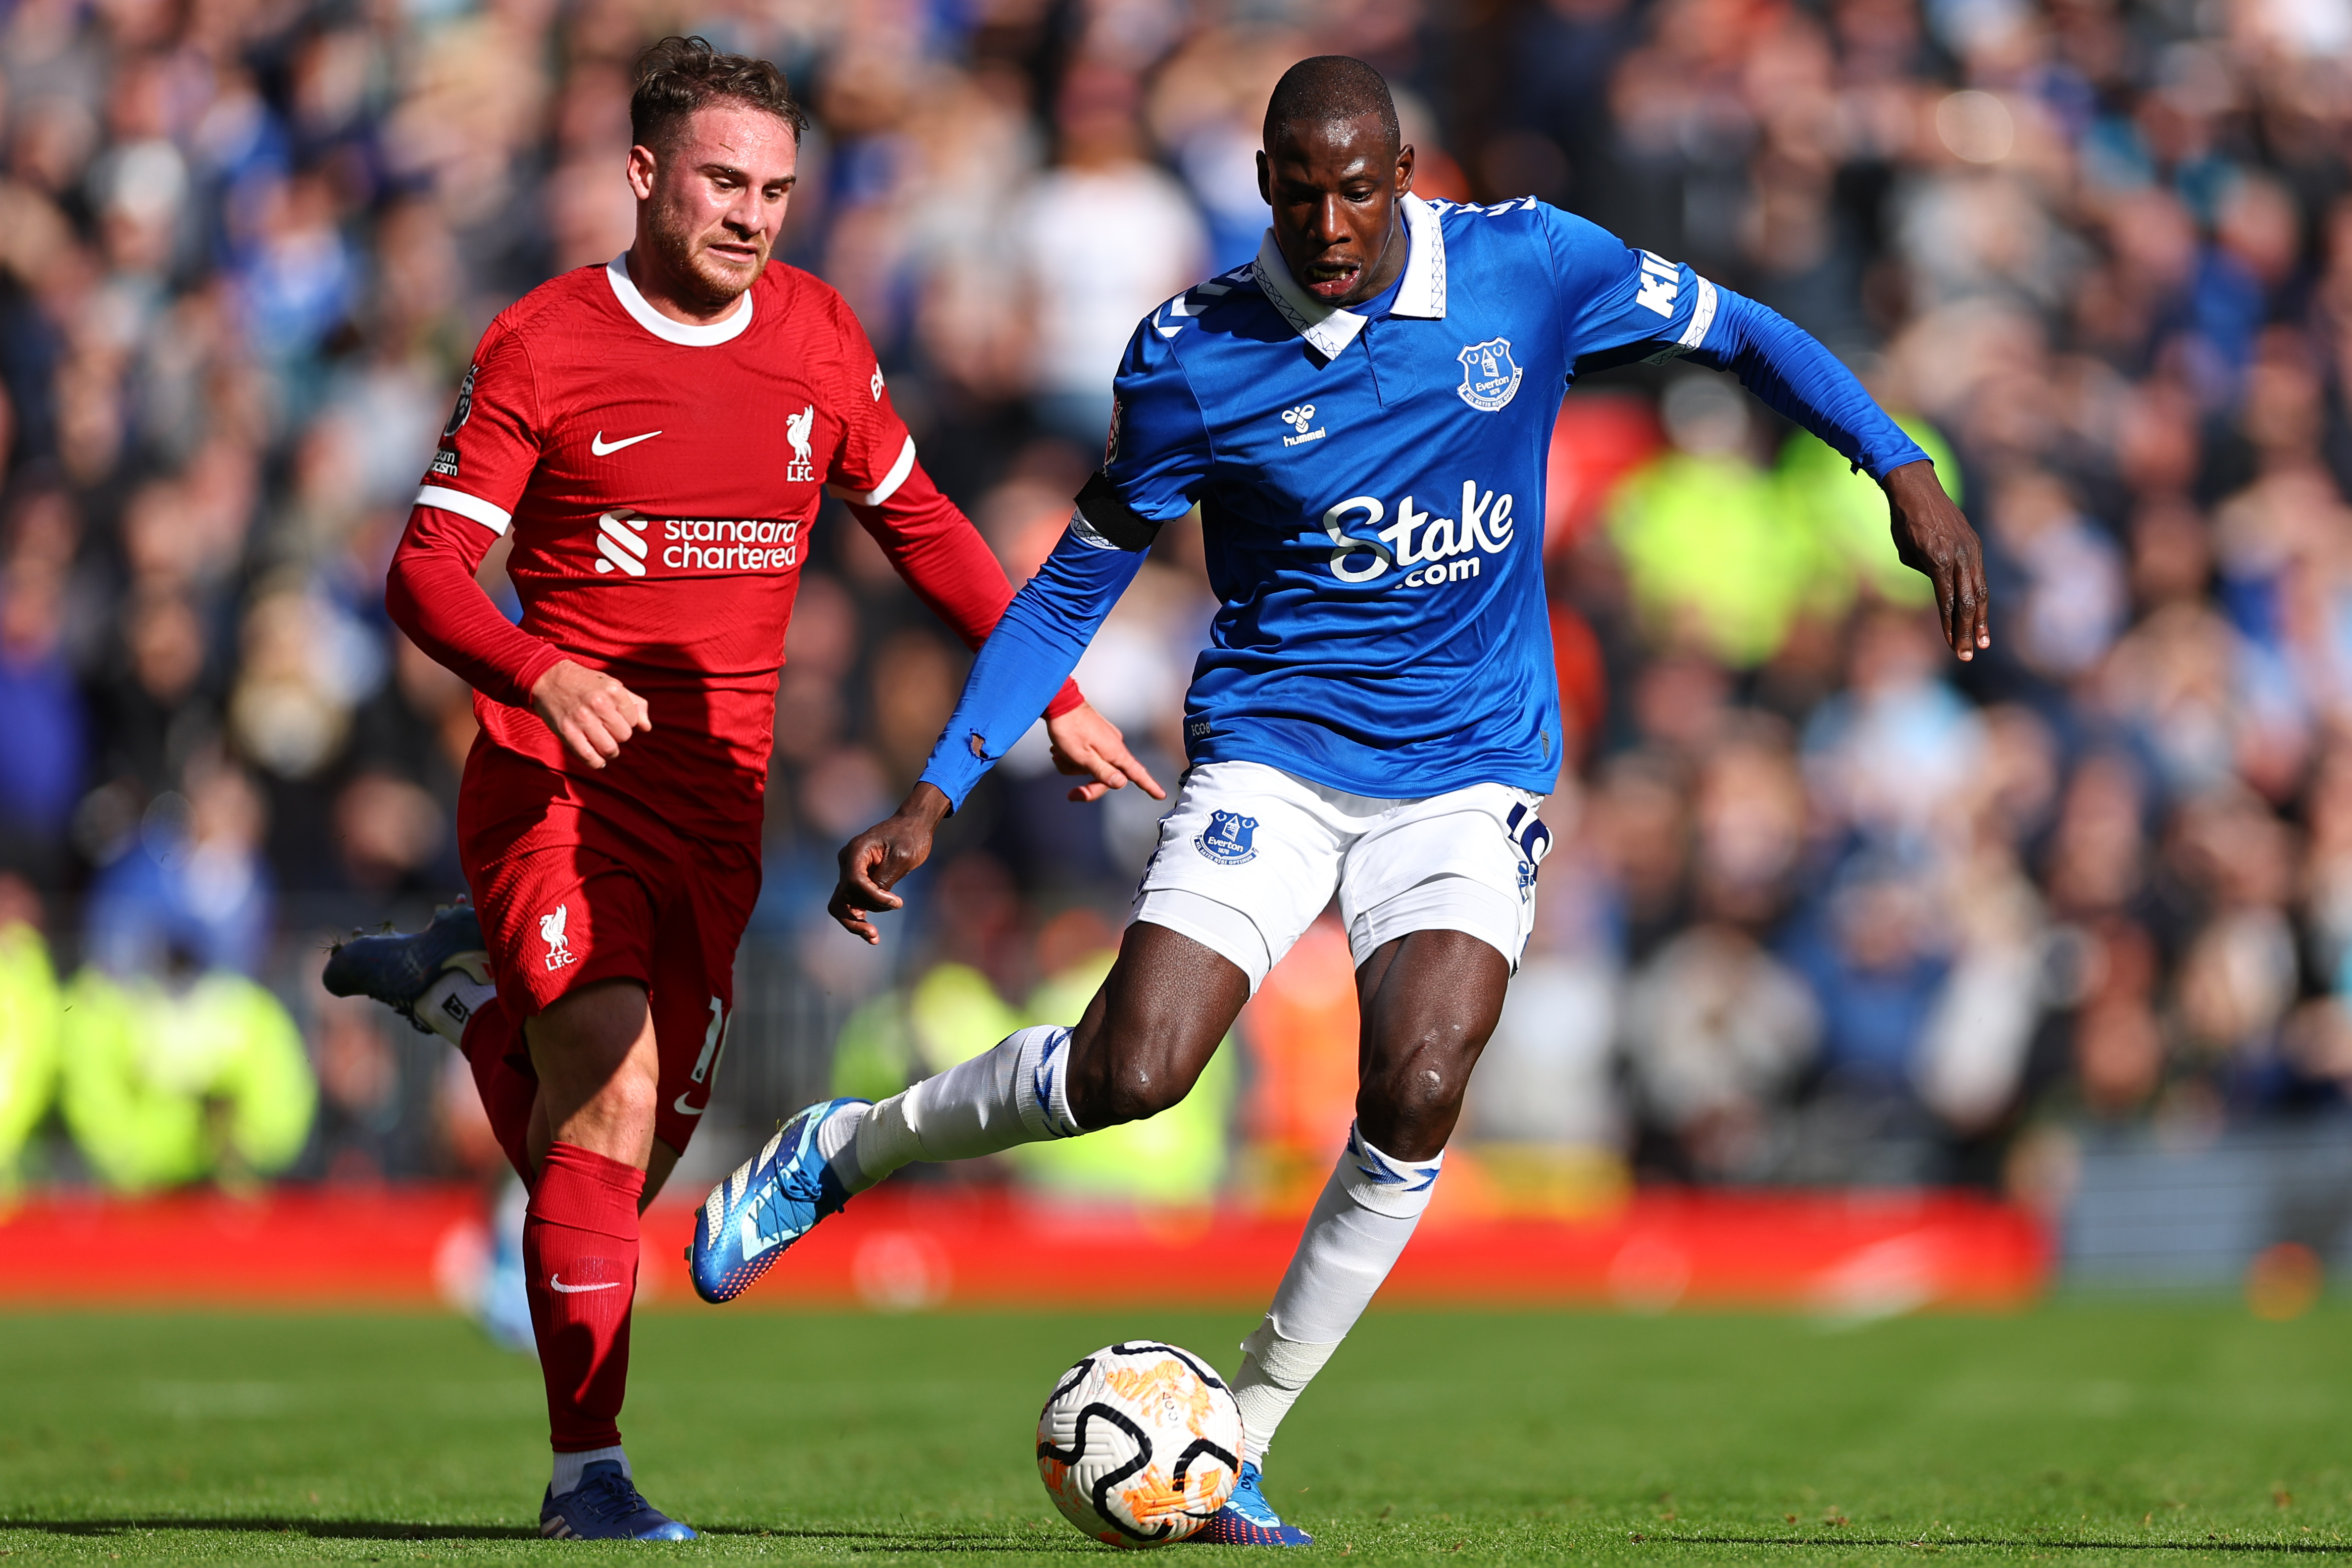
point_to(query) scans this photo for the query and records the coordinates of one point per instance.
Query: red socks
(580, 1252)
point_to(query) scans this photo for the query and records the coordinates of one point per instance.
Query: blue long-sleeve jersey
(1372, 495)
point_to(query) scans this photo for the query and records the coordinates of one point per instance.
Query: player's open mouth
(1330, 280)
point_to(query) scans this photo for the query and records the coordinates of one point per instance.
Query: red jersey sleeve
(491, 441)
(432, 594)
(927, 536)
(484, 457)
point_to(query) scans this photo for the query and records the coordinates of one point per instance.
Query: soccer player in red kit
(656, 435)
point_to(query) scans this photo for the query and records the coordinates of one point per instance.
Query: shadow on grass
(408, 1529)
(2326, 1547)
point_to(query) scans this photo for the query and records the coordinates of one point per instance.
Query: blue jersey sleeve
(1787, 367)
(1030, 655)
(1619, 304)
(1158, 456)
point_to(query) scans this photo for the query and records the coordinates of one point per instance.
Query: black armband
(1113, 518)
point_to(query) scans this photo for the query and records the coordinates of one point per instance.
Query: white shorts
(1249, 855)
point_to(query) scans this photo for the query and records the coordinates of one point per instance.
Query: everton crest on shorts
(1229, 839)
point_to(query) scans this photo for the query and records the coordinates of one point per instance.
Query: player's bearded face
(1333, 187)
(710, 204)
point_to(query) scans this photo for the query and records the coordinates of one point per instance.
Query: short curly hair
(680, 75)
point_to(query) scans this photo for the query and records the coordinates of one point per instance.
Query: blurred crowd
(1826, 905)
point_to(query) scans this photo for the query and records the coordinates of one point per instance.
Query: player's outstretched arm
(1087, 745)
(1932, 537)
(872, 863)
(1030, 654)
(940, 555)
(1787, 367)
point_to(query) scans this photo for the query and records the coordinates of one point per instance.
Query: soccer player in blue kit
(1363, 415)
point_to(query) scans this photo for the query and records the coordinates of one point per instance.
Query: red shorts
(578, 883)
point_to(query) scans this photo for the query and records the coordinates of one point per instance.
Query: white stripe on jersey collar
(1328, 329)
(617, 273)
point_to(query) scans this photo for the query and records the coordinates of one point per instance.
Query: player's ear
(1265, 181)
(1404, 169)
(643, 163)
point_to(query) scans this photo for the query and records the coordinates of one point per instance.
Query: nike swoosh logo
(683, 1109)
(555, 1282)
(603, 448)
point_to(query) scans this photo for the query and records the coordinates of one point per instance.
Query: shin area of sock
(580, 1246)
(1016, 1092)
(1361, 1221)
(1274, 1372)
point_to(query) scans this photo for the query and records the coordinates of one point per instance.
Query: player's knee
(1429, 1077)
(1134, 1089)
(629, 1098)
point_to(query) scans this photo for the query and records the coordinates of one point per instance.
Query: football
(1139, 1443)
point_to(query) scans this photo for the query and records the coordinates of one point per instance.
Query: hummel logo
(555, 1282)
(603, 448)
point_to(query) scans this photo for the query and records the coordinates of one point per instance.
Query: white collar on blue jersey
(1328, 329)
(625, 289)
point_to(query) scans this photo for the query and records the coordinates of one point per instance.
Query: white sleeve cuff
(1702, 316)
(494, 518)
(890, 481)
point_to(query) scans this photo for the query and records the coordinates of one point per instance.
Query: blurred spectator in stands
(1717, 1032)
(31, 1011)
(1714, 564)
(1105, 238)
(181, 1078)
(190, 891)
(41, 711)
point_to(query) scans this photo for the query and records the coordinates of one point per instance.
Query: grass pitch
(2079, 1435)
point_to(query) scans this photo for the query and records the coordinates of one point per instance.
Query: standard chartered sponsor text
(725, 544)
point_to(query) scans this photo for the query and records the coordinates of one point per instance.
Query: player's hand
(1933, 538)
(590, 711)
(1085, 742)
(872, 862)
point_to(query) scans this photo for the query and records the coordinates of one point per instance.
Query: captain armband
(1106, 518)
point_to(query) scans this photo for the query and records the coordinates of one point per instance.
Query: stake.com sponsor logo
(625, 536)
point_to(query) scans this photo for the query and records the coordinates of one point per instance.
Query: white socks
(450, 1001)
(1365, 1216)
(1274, 1372)
(569, 1465)
(1017, 1092)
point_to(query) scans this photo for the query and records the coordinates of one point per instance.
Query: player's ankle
(450, 1003)
(568, 1468)
(882, 1139)
(836, 1144)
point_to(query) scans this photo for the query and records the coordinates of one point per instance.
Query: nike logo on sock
(603, 448)
(555, 1282)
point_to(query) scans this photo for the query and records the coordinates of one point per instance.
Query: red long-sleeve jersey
(659, 480)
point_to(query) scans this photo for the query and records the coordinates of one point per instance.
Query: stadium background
(2071, 928)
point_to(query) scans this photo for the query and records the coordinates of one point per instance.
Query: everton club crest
(1490, 377)
(1229, 839)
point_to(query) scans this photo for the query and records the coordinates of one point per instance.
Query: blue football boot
(606, 1506)
(773, 1199)
(397, 970)
(1249, 1520)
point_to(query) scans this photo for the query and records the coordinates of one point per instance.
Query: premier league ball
(1139, 1443)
